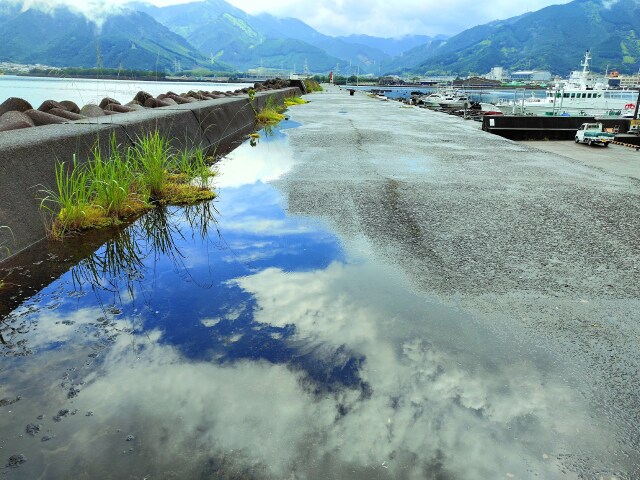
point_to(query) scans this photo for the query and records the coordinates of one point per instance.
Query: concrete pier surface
(542, 247)
(615, 159)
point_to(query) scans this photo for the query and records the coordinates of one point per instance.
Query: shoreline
(124, 78)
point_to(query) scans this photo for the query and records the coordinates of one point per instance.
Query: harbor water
(36, 90)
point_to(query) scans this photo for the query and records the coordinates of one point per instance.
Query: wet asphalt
(543, 247)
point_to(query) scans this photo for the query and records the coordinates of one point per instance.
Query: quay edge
(530, 127)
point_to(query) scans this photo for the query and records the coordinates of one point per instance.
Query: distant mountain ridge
(392, 46)
(553, 38)
(215, 35)
(131, 40)
(229, 34)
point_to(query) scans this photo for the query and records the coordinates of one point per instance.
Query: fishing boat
(455, 101)
(582, 94)
(434, 99)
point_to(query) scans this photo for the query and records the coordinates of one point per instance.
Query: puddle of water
(231, 340)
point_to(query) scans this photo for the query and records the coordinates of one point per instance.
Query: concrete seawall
(28, 157)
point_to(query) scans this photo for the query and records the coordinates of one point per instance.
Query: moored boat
(455, 101)
(582, 94)
(434, 99)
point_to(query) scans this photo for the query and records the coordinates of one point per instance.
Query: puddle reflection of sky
(186, 290)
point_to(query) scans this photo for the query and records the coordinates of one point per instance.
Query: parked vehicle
(593, 134)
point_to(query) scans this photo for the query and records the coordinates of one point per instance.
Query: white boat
(455, 101)
(435, 98)
(582, 94)
(431, 100)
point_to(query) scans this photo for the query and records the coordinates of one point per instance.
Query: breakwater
(28, 156)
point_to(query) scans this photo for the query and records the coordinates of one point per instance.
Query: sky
(385, 18)
(343, 17)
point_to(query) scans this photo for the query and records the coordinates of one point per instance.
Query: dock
(528, 127)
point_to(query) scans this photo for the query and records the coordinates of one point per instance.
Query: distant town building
(531, 76)
(623, 81)
(391, 80)
(496, 73)
(264, 72)
(435, 80)
(477, 82)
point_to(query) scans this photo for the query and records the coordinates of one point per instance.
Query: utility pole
(635, 112)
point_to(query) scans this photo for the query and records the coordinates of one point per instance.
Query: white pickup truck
(593, 134)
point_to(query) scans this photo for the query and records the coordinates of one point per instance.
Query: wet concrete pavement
(543, 248)
(615, 159)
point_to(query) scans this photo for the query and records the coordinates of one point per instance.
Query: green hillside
(554, 38)
(285, 53)
(230, 35)
(130, 40)
(213, 34)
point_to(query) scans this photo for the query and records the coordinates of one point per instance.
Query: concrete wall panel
(28, 159)
(180, 127)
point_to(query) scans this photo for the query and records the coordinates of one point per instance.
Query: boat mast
(585, 63)
(585, 68)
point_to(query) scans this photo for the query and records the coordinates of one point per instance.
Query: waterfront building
(617, 80)
(531, 76)
(496, 73)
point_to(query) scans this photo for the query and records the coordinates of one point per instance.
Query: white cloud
(247, 165)
(343, 17)
(390, 19)
(443, 394)
(94, 10)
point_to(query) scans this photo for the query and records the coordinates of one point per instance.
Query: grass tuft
(152, 157)
(112, 180)
(291, 101)
(193, 166)
(270, 114)
(104, 191)
(3, 244)
(312, 86)
(269, 117)
(71, 199)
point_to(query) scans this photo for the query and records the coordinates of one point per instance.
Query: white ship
(582, 94)
(455, 101)
(434, 99)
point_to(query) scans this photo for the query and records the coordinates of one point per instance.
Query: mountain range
(553, 38)
(230, 35)
(215, 35)
(131, 39)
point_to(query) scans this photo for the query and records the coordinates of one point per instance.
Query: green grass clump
(269, 116)
(3, 244)
(106, 190)
(112, 181)
(312, 86)
(194, 166)
(291, 101)
(152, 158)
(271, 113)
(71, 199)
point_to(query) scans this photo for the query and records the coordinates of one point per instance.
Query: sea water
(82, 91)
